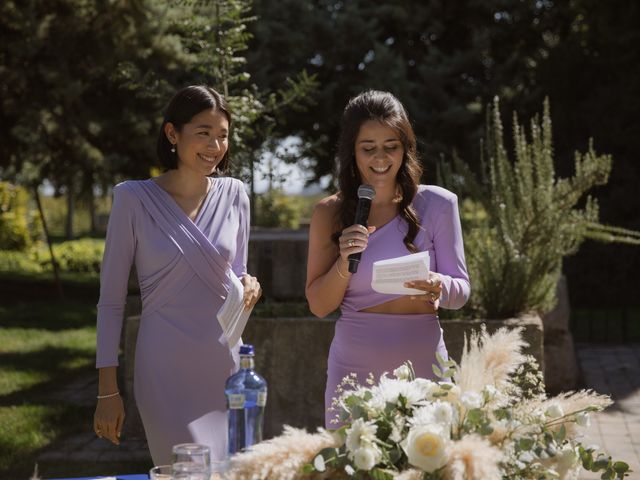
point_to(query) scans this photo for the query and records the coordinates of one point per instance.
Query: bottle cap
(246, 349)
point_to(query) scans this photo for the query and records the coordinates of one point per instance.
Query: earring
(173, 148)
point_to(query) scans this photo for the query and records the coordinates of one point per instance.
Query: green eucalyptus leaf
(601, 464)
(379, 474)
(621, 467)
(561, 434)
(525, 443)
(475, 415)
(308, 468)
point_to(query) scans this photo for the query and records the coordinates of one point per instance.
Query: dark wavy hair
(386, 109)
(185, 105)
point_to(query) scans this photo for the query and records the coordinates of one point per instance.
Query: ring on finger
(350, 242)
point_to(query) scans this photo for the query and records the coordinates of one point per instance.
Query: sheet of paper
(232, 316)
(390, 275)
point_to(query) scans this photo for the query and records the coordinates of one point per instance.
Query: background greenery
(84, 82)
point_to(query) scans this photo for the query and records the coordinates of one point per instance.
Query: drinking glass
(161, 472)
(191, 461)
(218, 469)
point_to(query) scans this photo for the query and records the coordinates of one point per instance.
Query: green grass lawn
(44, 344)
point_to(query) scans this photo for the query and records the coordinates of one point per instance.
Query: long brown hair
(386, 109)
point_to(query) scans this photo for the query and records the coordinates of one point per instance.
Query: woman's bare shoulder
(328, 209)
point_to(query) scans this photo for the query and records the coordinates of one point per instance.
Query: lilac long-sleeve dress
(184, 268)
(374, 343)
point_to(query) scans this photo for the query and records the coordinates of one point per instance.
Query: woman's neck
(186, 183)
(386, 195)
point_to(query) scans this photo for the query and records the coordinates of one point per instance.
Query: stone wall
(561, 372)
(291, 353)
(278, 258)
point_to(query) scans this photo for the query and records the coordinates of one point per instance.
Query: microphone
(365, 195)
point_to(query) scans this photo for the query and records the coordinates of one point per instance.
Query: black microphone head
(366, 191)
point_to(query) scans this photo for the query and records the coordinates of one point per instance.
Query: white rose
(554, 411)
(427, 447)
(365, 458)
(471, 399)
(583, 419)
(402, 372)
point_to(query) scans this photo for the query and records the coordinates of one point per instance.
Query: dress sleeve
(239, 265)
(449, 249)
(114, 275)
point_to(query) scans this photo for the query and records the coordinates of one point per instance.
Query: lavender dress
(184, 270)
(374, 343)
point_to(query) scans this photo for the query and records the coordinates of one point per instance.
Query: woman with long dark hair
(187, 232)
(377, 332)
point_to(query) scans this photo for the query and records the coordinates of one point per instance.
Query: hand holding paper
(390, 275)
(232, 316)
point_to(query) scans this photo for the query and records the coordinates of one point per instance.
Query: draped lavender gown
(184, 270)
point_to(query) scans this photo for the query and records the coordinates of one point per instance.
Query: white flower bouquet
(492, 422)
(487, 418)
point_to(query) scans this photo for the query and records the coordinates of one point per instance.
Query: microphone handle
(362, 215)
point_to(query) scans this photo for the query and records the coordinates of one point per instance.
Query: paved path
(613, 370)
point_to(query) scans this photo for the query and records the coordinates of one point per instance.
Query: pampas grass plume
(473, 458)
(282, 457)
(489, 359)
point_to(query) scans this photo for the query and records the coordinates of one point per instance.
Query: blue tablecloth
(140, 476)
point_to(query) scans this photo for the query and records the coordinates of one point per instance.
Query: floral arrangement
(493, 421)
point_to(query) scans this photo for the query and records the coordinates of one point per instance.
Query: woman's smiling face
(379, 153)
(203, 142)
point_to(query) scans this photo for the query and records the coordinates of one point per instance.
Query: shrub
(276, 209)
(14, 224)
(80, 256)
(14, 261)
(533, 219)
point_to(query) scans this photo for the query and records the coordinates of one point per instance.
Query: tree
(444, 60)
(217, 34)
(82, 91)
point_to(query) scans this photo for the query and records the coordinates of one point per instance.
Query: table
(139, 476)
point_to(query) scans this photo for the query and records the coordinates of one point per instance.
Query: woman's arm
(327, 264)
(115, 268)
(252, 290)
(114, 275)
(449, 248)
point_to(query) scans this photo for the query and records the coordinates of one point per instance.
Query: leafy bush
(14, 224)
(14, 261)
(275, 209)
(80, 256)
(533, 219)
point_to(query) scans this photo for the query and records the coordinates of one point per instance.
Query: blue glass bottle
(246, 393)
